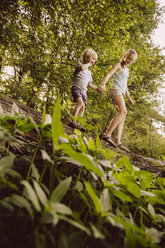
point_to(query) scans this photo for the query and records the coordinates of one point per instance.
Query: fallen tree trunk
(25, 145)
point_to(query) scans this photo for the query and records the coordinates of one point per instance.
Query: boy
(82, 78)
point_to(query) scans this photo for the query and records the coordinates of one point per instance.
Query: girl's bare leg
(119, 130)
(118, 121)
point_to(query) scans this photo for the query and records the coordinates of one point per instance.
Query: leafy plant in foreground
(89, 199)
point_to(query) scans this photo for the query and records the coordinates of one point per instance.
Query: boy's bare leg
(78, 107)
(81, 111)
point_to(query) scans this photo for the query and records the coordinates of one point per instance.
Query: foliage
(76, 194)
(42, 42)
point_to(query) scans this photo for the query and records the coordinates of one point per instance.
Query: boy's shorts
(77, 92)
(114, 92)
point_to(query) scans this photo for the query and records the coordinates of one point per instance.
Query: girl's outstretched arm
(115, 68)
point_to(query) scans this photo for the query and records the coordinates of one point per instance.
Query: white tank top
(120, 80)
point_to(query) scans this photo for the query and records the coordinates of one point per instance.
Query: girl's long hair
(129, 51)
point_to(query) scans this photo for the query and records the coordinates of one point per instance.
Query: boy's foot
(72, 124)
(108, 140)
(121, 146)
(81, 128)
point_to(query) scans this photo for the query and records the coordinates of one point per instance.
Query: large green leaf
(60, 191)
(32, 195)
(40, 193)
(76, 224)
(134, 189)
(57, 128)
(80, 157)
(94, 197)
(43, 115)
(7, 162)
(98, 142)
(91, 144)
(61, 208)
(21, 202)
(105, 200)
(96, 232)
(122, 196)
(124, 161)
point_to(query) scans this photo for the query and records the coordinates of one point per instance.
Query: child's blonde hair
(129, 51)
(87, 54)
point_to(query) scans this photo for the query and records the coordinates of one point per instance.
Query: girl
(118, 89)
(82, 78)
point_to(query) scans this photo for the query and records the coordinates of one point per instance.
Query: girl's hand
(101, 88)
(131, 101)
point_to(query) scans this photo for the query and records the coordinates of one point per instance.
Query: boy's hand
(101, 88)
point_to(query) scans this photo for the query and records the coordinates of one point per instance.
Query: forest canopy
(42, 41)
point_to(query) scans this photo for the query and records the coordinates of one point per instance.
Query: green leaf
(151, 210)
(60, 191)
(40, 240)
(32, 195)
(91, 144)
(125, 178)
(98, 142)
(122, 196)
(76, 224)
(40, 193)
(35, 172)
(7, 161)
(130, 239)
(155, 234)
(105, 200)
(94, 197)
(46, 156)
(21, 202)
(5, 204)
(44, 115)
(96, 232)
(125, 223)
(77, 132)
(80, 157)
(34, 125)
(134, 189)
(146, 193)
(57, 128)
(27, 127)
(50, 216)
(125, 161)
(61, 208)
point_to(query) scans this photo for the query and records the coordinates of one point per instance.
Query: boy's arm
(128, 97)
(92, 86)
(83, 67)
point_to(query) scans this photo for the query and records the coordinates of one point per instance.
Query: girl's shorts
(77, 92)
(114, 92)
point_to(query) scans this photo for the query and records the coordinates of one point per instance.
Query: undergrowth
(74, 193)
